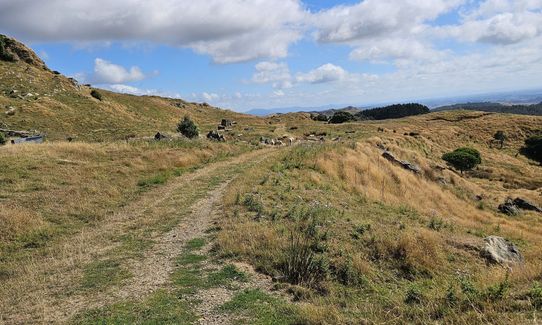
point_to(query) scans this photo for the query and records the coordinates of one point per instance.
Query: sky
(246, 54)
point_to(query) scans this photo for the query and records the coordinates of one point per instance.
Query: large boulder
(509, 208)
(498, 250)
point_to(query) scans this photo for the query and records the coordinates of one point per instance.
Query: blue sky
(244, 54)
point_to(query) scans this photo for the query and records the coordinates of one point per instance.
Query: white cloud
(373, 19)
(275, 73)
(395, 49)
(106, 72)
(126, 89)
(229, 31)
(488, 24)
(325, 73)
(210, 97)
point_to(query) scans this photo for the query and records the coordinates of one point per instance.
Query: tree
(501, 137)
(463, 159)
(341, 117)
(393, 111)
(188, 128)
(533, 148)
(320, 118)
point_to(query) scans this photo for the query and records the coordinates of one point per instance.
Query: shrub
(414, 295)
(96, 94)
(533, 148)
(341, 117)
(320, 118)
(2, 139)
(501, 137)
(463, 158)
(188, 128)
(394, 111)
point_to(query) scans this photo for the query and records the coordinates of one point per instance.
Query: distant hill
(535, 109)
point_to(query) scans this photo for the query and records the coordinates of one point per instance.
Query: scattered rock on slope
(509, 208)
(501, 251)
(526, 205)
(403, 163)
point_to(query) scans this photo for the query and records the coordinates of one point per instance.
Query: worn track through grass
(53, 284)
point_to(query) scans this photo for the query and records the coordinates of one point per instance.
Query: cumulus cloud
(325, 73)
(395, 49)
(126, 89)
(371, 19)
(106, 72)
(275, 73)
(229, 31)
(499, 22)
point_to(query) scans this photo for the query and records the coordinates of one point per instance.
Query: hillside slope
(32, 97)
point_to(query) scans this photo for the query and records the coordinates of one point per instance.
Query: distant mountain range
(534, 109)
(485, 101)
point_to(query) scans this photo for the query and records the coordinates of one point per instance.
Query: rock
(526, 205)
(403, 163)
(501, 251)
(509, 208)
(214, 135)
(11, 111)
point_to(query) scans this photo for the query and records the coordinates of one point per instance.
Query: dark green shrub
(501, 137)
(533, 148)
(320, 118)
(2, 139)
(463, 159)
(188, 128)
(96, 94)
(341, 117)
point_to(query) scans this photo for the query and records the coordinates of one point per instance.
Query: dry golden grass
(400, 234)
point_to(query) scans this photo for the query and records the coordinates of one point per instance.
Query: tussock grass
(397, 244)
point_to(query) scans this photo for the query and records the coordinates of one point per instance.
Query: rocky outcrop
(12, 50)
(509, 208)
(498, 250)
(214, 135)
(403, 163)
(526, 205)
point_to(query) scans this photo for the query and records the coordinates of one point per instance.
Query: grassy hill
(43, 100)
(326, 231)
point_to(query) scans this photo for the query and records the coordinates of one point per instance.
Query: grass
(101, 274)
(160, 308)
(395, 240)
(261, 309)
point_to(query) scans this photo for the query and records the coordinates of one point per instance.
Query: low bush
(341, 117)
(533, 148)
(463, 159)
(188, 128)
(2, 139)
(96, 94)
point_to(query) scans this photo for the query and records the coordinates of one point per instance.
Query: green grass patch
(158, 179)
(190, 259)
(195, 244)
(101, 274)
(160, 308)
(261, 309)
